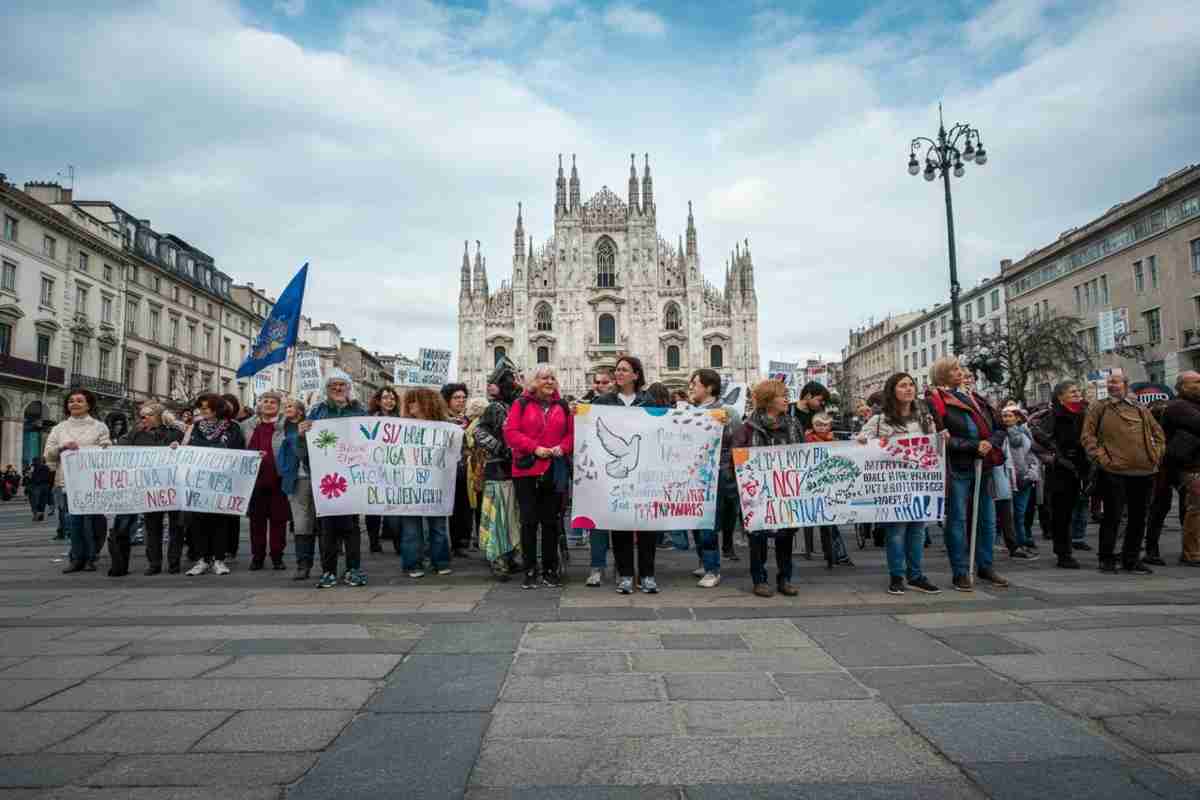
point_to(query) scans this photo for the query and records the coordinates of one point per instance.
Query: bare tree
(1034, 348)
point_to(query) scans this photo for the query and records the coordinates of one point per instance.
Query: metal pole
(955, 321)
(973, 519)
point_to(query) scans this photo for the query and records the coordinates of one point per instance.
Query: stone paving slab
(576, 793)
(309, 666)
(177, 666)
(593, 688)
(66, 668)
(1095, 700)
(840, 719)
(434, 682)
(604, 642)
(814, 687)
(204, 694)
(703, 641)
(37, 770)
(1100, 640)
(546, 664)
(1158, 733)
(1008, 732)
(1064, 667)
(419, 755)
(721, 686)
(877, 642)
(144, 732)
(274, 647)
(1179, 696)
(1181, 662)
(957, 790)
(163, 793)
(15, 694)
(982, 644)
(30, 731)
(1187, 763)
(1078, 779)
(499, 637)
(199, 769)
(173, 648)
(808, 659)
(902, 686)
(584, 720)
(276, 731)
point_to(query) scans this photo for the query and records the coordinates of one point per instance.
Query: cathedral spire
(747, 271)
(647, 189)
(574, 185)
(480, 280)
(519, 236)
(691, 233)
(634, 206)
(560, 190)
(464, 278)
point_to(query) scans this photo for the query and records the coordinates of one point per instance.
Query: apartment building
(873, 354)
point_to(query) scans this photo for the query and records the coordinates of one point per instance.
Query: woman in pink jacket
(540, 431)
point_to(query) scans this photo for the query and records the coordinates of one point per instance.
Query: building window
(932, 330)
(543, 318)
(228, 352)
(157, 285)
(1139, 278)
(945, 323)
(1104, 290)
(922, 335)
(131, 315)
(192, 339)
(208, 353)
(904, 339)
(49, 247)
(716, 356)
(106, 309)
(1153, 325)
(1195, 245)
(606, 264)
(8, 278)
(105, 357)
(996, 326)
(906, 362)
(995, 300)
(133, 274)
(48, 292)
(154, 318)
(151, 377)
(671, 319)
(607, 329)
(43, 348)
(10, 228)
(924, 360)
(1079, 299)
(83, 262)
(5, 339)
(81, 298)
(175, 293)
(981, 308)
(498, 356)
(543, 355)
(175, 333)
(1152, 269)
(77, 358)
(967, 312)
(108, 273)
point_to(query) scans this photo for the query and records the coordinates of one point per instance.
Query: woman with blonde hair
(424, 404)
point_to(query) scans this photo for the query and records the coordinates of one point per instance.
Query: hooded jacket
(532, 423)
(489, 432)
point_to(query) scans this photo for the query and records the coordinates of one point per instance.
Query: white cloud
(634, 20)
(290, 8)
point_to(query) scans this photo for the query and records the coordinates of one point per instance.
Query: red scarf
(1074, 408)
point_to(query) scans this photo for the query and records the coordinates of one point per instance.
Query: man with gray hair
(1124, 440)
(1181, 423)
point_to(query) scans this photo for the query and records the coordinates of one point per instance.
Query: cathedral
(608, 284)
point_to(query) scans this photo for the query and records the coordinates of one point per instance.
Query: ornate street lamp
(947, 154)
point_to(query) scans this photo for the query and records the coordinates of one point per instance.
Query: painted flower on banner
(326, 439)
(333, 486)
(918, 450)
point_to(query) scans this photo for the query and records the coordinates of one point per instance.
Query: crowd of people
(1005, 468)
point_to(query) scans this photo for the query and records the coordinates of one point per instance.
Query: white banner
(435, 364)
(384, 465)
(839, 483)
(645, 469)
(262, 382)
(141, 480)
(308, 371)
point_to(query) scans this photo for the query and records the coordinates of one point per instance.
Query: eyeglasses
(148, 416)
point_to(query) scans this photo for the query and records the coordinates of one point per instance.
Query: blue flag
(279, 331)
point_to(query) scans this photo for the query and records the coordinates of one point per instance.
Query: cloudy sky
(371, 138)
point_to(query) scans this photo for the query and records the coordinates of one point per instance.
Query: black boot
(808, 544)
(277, 563)
(74, 566)
(302, 570)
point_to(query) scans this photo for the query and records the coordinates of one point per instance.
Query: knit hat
(1016, 410)
(336, 374)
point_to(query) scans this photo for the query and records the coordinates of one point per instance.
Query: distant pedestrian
(78, 430)
(38, 487)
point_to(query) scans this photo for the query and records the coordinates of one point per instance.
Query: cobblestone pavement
(1066, 685)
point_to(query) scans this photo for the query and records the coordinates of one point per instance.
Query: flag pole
(292, 370)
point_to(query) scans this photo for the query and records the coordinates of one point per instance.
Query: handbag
(560, 472)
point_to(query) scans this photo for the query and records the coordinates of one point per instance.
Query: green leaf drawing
(326, 439)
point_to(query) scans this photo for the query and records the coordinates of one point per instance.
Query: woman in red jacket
(540, 431)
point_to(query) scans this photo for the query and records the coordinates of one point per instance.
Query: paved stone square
(1066, 685)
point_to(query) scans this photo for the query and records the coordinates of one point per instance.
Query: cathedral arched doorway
(607, 329)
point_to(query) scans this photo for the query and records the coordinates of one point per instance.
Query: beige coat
(1129, 440)
(85, 432)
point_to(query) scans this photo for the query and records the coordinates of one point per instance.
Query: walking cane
(973, 519)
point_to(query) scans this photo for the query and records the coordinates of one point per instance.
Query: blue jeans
(1079, 519)
(79, 532)
(412, 543)
(784, 539)
(961, 491)
(708, 548)
(680, 540)
(598, 541)
(1020, 500)
(60, 505)
(905, 542)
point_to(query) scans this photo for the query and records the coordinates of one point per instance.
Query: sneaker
(220, 568)
(896, 585)
(551, 580)
(595, 579)
(962, 583)
(1084, 546)
(1138, 568)
(357, 578)
(991, 577)
(531, 579)
(625, 586)
(328, 581)
(731, 554)
(199, 568)
(1155, 559)
(787, 590)
(1023, 554)
(699, 572)
(923, 584)
(1067, 562)
(763, 590)
(417, 573)
(443, 571)
(709, 580)
(649, 585)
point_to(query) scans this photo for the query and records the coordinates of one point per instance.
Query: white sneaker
(709, 580)
(699, 572)
(445, 571)
(220, 568)
(417, 573)
(625, 586)
(596, 578)
(199, 568)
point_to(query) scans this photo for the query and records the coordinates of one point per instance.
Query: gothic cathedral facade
(605, 285)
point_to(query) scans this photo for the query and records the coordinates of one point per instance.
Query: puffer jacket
(532, 423)
(1127, 441)
(162, 436)
(1018, 455)
(878, 427)
(759, 431)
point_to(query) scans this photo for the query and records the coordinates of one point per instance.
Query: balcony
(98, 385)
(30, 370)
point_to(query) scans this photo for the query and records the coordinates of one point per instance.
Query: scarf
(212, 429)
(1075, 408)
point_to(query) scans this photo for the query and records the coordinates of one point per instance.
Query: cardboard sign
(308, 371)
(141, 480)
(384, 465)
(645, 469)
(840, 483)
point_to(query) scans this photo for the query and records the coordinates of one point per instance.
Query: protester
(770, 424)
(602, 383)
(1070, 469)
(599, 540)
(539, 431)
(213, 427)
(1022, 471)
(1181, 423)
(455, 395)
(233, 524)
(1166, 484)
(269, 510)
(150, 431)
(475, 458)
(629, 377)
(813, 398)
(832, 543)
(338, 533)
(295, 478)
(78, 430)
(11, 480)
(902, 415)
(659, 396)
(499, 520)
(384, 403)
(1123, 439)
(975, 436)
(38, 487)
(427, 405)
(704, 391)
